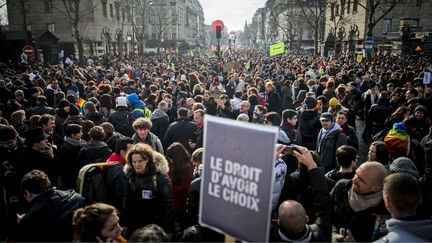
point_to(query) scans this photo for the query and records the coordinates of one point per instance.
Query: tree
(290, 22)
(161, 18)
(75, 13)
(376, 10)
(313, 12)
(338, 21)
(139, 19)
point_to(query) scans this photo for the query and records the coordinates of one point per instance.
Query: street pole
(218, 48)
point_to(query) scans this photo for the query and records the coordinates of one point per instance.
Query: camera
(289, 149)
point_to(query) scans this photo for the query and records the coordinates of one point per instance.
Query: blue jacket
(136, 103)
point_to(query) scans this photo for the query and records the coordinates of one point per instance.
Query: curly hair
(142, 149)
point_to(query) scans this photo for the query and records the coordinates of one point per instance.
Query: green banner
(277, 49)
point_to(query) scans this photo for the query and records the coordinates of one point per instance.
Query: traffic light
(218, 32)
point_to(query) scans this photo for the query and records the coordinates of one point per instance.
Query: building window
(174, 35)
(104, 8)
(51, 27)
(348, 6)
(48, 4)
(29, 27)
(386, 26)
(355, 6)
(27, 6)
(117, 6)
(111, 11)
(332, 11)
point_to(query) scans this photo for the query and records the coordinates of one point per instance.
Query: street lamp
(129, 38)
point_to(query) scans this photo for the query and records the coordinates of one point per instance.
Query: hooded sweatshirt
(408, 231)
(137, 105)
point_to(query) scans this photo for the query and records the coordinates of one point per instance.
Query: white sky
(233, 13)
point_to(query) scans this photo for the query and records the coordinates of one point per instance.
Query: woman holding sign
(148, 197)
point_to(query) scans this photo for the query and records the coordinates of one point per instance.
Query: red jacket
(117, 158)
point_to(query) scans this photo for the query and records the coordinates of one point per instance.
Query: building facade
(281, 20)
(406, 26)
(106, 26)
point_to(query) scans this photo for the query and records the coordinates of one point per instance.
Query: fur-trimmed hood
(160, 162)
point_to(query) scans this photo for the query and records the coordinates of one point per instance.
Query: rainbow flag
(398, 140)
(80, 103)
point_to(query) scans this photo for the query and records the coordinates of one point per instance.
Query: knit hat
(326, 116)
(421, 108)
(334, 102)
(310, 102)
(35, 135)
(74, 110)
(63, 103)
(404, 164)
(121, 101)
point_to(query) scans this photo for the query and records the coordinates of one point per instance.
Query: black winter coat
(378, 114)
(160, 125)
(68, 154)
(181, 131)
(93, 152)
(118, 115)
(148, 200)
(321, 227)
(50, 217)
(42, 109)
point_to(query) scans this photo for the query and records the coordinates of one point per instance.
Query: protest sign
(237, 178)
(426, 77)
(277, 49)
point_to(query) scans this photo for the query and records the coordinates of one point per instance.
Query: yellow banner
(277, 49)
(359, 58)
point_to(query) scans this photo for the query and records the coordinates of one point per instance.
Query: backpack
(124, 127)
(102, 182)
(146, 112)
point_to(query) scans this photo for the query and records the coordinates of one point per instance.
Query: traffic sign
(28, 50)
(217, 23)
(368, 42)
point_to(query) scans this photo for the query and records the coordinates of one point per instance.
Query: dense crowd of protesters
(146, 116)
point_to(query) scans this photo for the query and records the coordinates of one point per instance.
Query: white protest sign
(237, 178)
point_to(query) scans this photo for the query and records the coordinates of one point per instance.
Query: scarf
(72, 141)
(307, 237)
(360, 202)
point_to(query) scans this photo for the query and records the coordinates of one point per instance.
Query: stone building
(346, 26)
(105, 26)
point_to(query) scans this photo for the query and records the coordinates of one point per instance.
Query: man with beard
(358, 202)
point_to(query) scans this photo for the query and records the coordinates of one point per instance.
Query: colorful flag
(321, 71)
(80, 103)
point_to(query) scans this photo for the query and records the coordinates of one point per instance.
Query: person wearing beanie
(62, 113)
(405, 165)
(329, 139)
(423, 122)
(139, 108)
(120, 113)
(39, 154)
(309, 124)
(75, 116)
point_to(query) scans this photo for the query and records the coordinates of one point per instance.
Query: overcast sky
(233, 13)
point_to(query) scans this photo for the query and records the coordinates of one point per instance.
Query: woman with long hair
(181, 170)
(98, 222)
(148, 196)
